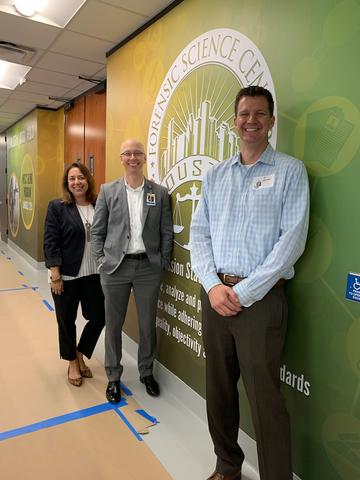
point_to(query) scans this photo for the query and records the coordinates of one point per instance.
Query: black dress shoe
(113, 392)
(151, 385)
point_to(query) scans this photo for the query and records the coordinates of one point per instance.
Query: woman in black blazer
(73, 273)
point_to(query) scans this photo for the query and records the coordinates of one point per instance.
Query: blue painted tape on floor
(52, 422)
(47, 304)
(147, 416)
(21, 273)
(13, 289)
(128, 424)
(24, 285)
(125, 389)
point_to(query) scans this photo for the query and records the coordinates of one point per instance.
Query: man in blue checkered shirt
(249, 229)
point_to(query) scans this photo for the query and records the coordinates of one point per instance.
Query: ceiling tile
(148, 8)
(53, 78)
(30, 97)
(82, 46)
(111, 23)
(26, 32)
(17, 106)
(41, 88)
(8, 117)
(69, 65)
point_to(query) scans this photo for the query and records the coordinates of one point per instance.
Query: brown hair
(255, 91)
(90, 193)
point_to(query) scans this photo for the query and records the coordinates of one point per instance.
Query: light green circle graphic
(353, 346)
(327, 135)
(318, 252)
(342, 23)
(27, 191)
(305, 74)
(14, 204)
(341, 438)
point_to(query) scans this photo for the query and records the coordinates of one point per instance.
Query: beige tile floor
(101, 446)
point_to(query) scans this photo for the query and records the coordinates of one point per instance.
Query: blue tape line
(125, 389)
(21, 273)
(52, 422)
(24, 285)
(147, 416)
(128, 424)
(47, 304)
(13, 289)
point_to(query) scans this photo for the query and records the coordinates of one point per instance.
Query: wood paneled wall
(94, 147)
(85, 124)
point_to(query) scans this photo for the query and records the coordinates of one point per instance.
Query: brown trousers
(250, 345)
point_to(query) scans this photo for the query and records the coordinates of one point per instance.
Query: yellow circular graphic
(14, 204)
(327, 135)
(27, 191)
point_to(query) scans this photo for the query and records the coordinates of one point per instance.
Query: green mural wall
(173, 87)
(35, 159)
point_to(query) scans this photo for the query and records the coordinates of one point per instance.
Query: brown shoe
(86, 372)
(74, 381)
(219, 476)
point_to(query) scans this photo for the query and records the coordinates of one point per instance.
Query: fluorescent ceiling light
(11, 74)
(28, 8)
(52, 12)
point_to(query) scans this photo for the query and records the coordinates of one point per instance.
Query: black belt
(231, 280)
(136, 256)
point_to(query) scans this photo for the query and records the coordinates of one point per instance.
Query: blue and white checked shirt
(251, 222)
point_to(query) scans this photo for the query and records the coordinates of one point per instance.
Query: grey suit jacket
(110, 232)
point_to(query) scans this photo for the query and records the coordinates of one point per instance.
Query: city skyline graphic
(197, 133)
(199, 119)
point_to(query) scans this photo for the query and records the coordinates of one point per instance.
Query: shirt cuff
(210, 280)
(242, 292)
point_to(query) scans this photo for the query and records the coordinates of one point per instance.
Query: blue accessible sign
(353, 287)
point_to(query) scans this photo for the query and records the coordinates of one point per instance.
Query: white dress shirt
(135, 198)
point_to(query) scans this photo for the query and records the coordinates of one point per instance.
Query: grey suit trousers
(248, 344)
(144, 279)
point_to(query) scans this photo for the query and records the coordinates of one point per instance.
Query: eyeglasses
(136, 154)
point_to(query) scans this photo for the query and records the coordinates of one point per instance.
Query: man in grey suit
(132, 238)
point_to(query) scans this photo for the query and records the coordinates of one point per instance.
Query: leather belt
(231, 280)
(136, 256)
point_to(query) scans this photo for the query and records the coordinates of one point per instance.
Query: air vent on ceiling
(14, 53)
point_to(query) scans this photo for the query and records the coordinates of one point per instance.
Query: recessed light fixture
(29, 8)
(51, 12)
(11, 74)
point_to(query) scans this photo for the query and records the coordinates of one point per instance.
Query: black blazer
(64, 237)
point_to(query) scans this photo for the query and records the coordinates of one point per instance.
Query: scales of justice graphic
(193, 197)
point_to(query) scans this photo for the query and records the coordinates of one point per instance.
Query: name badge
(150, 199)
(266, 181)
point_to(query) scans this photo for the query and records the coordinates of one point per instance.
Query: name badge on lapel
(266, 181)
(150, 199)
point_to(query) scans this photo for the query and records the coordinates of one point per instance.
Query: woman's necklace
(85, 218)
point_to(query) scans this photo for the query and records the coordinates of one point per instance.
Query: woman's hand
(57, 286)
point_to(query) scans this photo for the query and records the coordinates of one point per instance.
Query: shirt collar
(266, 157)
(137, 189)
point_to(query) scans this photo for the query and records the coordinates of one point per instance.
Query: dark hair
(255, 91)
(90, 193)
